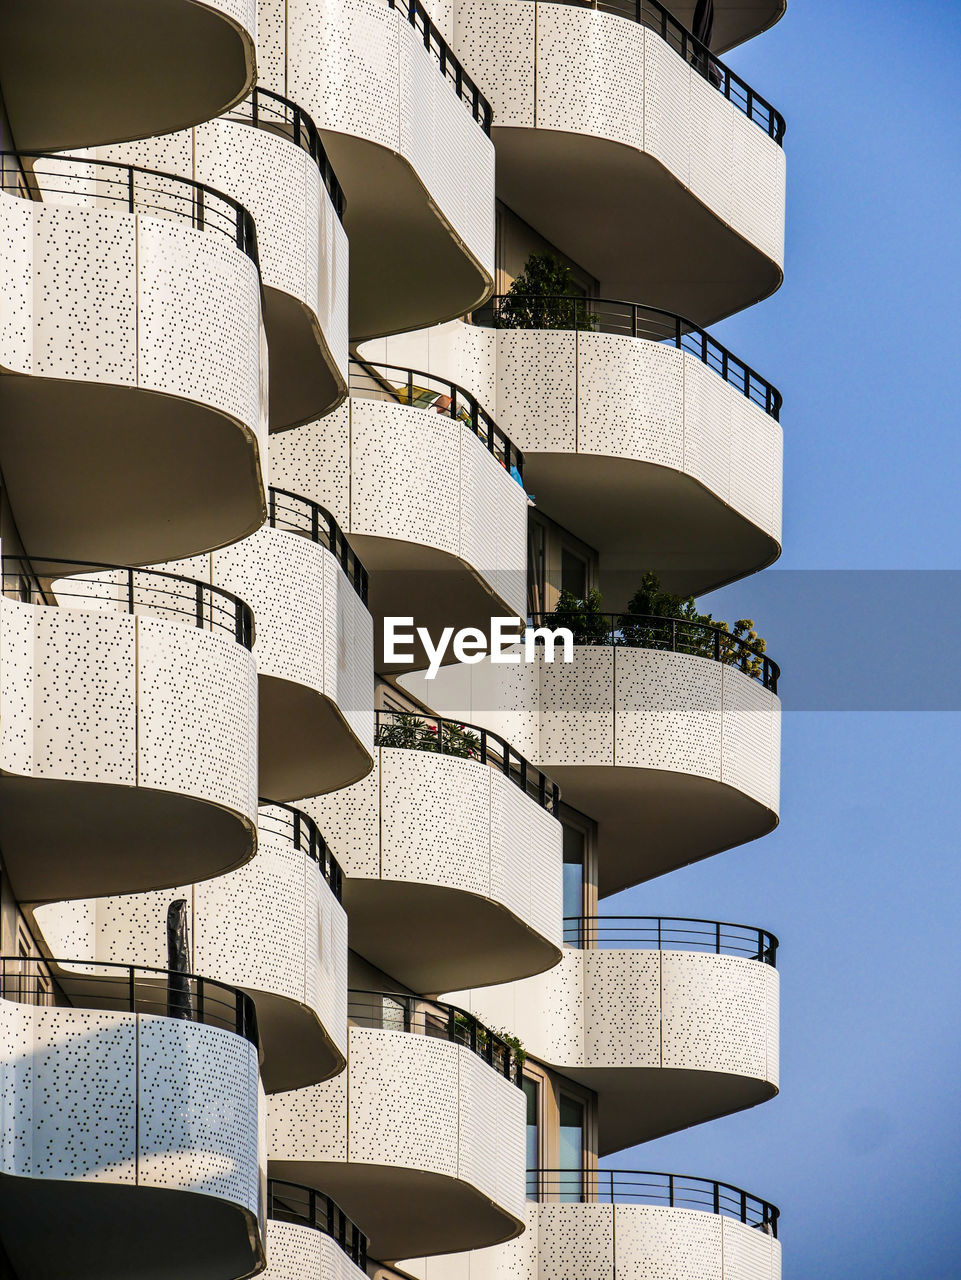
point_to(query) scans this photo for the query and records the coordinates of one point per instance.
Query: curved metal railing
(450, 67)
(670, 1190)
(268, 110)
(297, 514)
(654, 16)
(305, 1207)
(107, 182)
(420, 732)
(378, 381)
(395, 1011)
(667, 635)
(146, 592)
(631, 320)
(85, 984)
(302, 832)
(672, 933)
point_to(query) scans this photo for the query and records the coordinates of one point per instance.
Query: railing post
(659, 936)
(130, 590)
(272, 507)
(200, 606)
(670, 1189)
(133, 989)
(744, 1206)
(200, 999)
(296, 828)
(130, 188)
(717, 645)
(717, 1198)
(717, 939)
(200, 208)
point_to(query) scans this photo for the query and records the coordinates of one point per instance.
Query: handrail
(636, 1186)
(421, 732)
(633, 320)
(140, 988)
(268, 110)
(373, 380)
(397, 1011)
(654, 16)
(140, 190)
(297, 514)
(146, 591)
(663, 933)
(302, 832)
(305, 1207)
(450, 67)
(669, 635)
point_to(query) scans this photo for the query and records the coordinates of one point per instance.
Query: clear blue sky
(861, 880)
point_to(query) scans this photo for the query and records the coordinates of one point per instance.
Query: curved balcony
(673, 719)
(597, 112)
(139, 1109)
(453, 868)
(77, 76)
(407, 131)
(134, 419)
(275, 929)
(128, 756)
(428, 489)
(268, 155)
(310, 1238)
(314, 646)
(421, 1139)
(671, 1023)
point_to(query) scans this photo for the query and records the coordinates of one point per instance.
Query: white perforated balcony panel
(297, 1252)
(692, 744)
(128, 1132)
(273, 928)
(436, 519)
(451, 870)
(301, 243)
(127, 752)
(665, 1039)
(594, 115)
(75, 76)
(314, 654)
(134, 420)
(417, 170)
(420, 1142)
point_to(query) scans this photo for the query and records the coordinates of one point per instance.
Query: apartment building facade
(305, 965)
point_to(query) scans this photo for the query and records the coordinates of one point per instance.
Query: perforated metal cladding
(309, 1124)
(359, 68)
(752, 739)
(486, 40)
(714, 1013)
(573, 1239)
(314, 461)
(651, 1242)
(674, 721)
(749, 1254)
(577, 708)
(301, 1253)
(630, 399)
(622, 1008)
(525, 858)
(102, 697)
(350, 821)
(111, 1097)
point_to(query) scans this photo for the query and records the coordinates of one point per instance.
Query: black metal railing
(667, 635)
(671, 933)
(302, 832)
(394, 1011)
(425, 391)
(450, 68)
(698, 56)
(421, 732)
(84, 984)
(631, 320)
(138, 190)
(147, 592)
(305, 1207)
(272, 111)
(670, 1190)
(302, 515)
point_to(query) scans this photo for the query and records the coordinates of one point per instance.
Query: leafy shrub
(544, 296)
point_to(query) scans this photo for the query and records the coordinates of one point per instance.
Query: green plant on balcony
(544, 296)
(583, 616)
(416, 732)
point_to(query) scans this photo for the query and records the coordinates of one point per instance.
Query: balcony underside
(305, 382)
(639, 516)
(674, 253)
(124, 475)
(77, 75)
(306, 747)
(99, 1231)
(69, 839)
(298, 1051)
(734, 20)
(637, 1104)
(408, 267)
(406, 1212)
(433, 938)
(651, 821)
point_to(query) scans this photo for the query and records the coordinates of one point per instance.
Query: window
(575, 850)
(574, 571)
(571, 1150)
(532, 1096)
